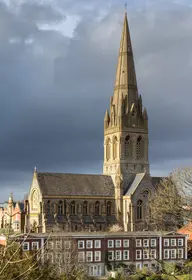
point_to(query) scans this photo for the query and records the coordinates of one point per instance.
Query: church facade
(78, 202)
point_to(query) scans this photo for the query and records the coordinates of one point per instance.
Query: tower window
(139, 148)
(127, 147)
(139, 209)
(108, 150)
(115, 146)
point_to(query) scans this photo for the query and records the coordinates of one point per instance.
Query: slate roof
(54, 184)
(156, 180)
(135, 183)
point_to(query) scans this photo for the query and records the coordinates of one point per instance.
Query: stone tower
(126, 123)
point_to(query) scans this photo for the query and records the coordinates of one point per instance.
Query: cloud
(56, 88)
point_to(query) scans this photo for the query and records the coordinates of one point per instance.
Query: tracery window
(139, 148)
(72, 208)
(115, 147)
(127, 147)
(85, 207)
(35, 200)
(108, 208)
(108, 149)
(60, 208)
(139, 209)
(97, 208)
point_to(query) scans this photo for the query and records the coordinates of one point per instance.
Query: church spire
(125, 82)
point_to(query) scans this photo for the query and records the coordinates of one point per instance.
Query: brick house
(100, 251)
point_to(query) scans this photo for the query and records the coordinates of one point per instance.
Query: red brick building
(100, 251)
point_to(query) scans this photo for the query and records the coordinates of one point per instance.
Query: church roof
(64, 184)
(135, 183)
(156, 180)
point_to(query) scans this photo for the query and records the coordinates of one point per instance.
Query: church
(81, 202)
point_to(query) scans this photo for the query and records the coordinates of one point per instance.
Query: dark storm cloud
(55, 90)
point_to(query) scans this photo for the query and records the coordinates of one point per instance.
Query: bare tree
(171, 205)
(62, 251)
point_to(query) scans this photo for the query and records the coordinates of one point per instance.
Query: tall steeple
(125, 81)
(126, 123)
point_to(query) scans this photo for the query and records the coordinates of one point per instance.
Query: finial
(11, 197)
(125, 7)
(35, 168)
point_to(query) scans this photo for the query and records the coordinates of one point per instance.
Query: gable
(35, 188)
(140, 183)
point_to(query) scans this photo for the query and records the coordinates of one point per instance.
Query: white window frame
(50, 257)
(37, 245)
(67, 244)
(81, 242)
(153, 242)
(140, 254)
(173, 254)
(112, 243)
(138, 243)
(23, 246)
(89, 256)
(173, 242)
(138, 265)
(180, 242)
(58, 258)
(180, 253)
(112, 255)
(166, 242)
(81, 256)
(145, 254)
(127, 254)
(50, 245)
(97, 256)
(126, 243)
(153, 254)
(164, 253)
(97, 242)
(89, 244)
(118, 243)
(58, 244)
(118, 255)
(145, 243)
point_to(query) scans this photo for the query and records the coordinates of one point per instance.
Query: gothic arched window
(139, 209)
(85, 207)
(139, 148)
(108, 208)
(108, 149)
(48, 207)
(115, 147)
(72, 208)
(127, 147)
(64, 208)
(97, 208)
(35, 200)
(60, 208)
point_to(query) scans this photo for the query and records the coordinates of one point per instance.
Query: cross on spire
(125, 7)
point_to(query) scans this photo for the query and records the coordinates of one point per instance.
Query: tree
(15, 264)
(68, 262)
(170, 206)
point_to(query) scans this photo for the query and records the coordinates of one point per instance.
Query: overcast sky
(57, 69)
